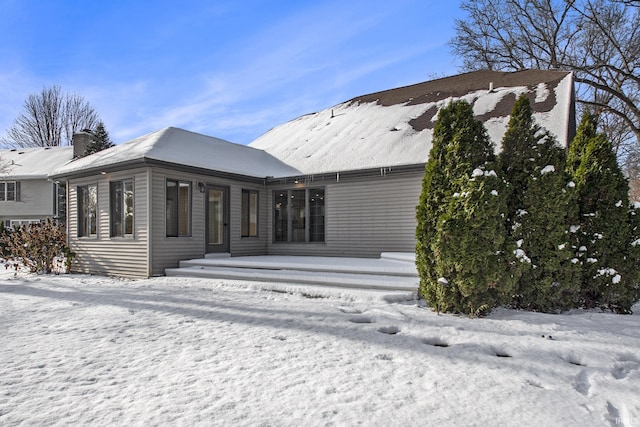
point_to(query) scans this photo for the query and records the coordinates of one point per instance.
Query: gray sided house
(26, 193)
(340, 182)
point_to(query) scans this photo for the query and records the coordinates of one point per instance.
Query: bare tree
(595, 39)
(50, 119)
(632, 168)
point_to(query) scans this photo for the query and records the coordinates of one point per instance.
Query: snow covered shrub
(41, 248)
(470, 247)
(541, 210)
(460, 226)
(609, 278)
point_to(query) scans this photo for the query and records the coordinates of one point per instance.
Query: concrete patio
(392, 271)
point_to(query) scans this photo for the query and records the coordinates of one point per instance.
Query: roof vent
(490, 87)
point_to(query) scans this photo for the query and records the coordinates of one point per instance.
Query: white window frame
(4, 191)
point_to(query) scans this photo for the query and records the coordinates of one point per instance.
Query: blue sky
(230, 68)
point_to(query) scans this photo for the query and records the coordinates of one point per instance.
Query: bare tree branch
(595, 39)
(50, 119)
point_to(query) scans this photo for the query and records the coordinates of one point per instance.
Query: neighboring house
(341, 182)
(26, 193)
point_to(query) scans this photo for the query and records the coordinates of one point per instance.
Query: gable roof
(184, 148)
(395, 127)
(33, 163)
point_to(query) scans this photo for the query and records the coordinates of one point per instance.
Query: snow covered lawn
(83, 350)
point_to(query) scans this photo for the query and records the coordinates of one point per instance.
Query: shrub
(605, 249)
(460, 230)
(541, 210)
(41, 248)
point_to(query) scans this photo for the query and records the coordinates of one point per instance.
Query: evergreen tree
(99, 141)
(460, 228)
(608, 277)
(634, 253)
(474, 259)
(586, 130)
(541, 210)
(436, 188)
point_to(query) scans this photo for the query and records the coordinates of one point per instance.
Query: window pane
(253, 213)
(92, 192)
(172, 209)
(184, 208)
(87, 201)
(128, 208)
(249, 213)
(11, 191)
(316, 215)
(116, 209)
(82, 230)
(280, 216)
(297, 215)
(2, 192)
(61, 202)
(244, 214)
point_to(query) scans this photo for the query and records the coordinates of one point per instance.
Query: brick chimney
(81, 141)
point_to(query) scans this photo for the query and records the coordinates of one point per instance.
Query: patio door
(217, 220)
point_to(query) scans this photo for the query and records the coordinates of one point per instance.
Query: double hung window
(249, 214)
(121, 208)
(8, 191)
(87, 211)
(178, 208)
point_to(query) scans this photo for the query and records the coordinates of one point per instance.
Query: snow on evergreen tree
(551, 279)
(460, 228)
(99, 141)
(473, 258)
(541, 210)
(609, 278)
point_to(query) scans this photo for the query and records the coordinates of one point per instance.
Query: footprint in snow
(349, 310)
(574, 360)
(436, 342)
(623, 369)
(361, 319)
(582, 383)
(389, 330)
(500, 352)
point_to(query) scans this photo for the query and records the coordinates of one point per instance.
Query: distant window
(8, 191)
(14, 223)
(121, 214)
(88, 211)
(178, 206)
(60, 202)
(298, 215)
(249, 215)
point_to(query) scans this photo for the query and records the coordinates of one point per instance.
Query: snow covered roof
(395, 127)
(185, 148)
(33, 163)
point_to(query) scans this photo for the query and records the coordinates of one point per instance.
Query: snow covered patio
(393, 271)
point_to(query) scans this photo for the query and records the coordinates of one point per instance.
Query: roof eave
(145, 161)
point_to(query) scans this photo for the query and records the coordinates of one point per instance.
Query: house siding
(168, 251)
(35, 202)
(103, 254)
(363, 217)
